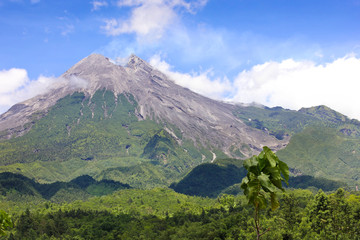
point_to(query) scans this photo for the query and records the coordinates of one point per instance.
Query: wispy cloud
(149, 18)
(98, 4)
(67, 29)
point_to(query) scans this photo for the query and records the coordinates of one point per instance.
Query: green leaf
(260, 201)
(244, 183)
(254, 189)
(284, 170)
(274, 201)
(274, 173)
(262, 161)
(271, 157)
(262, 154)
(251, 163)
(278, 184)
(266, 184)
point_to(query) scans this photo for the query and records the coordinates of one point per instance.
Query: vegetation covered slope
(282, 122)
(323, 143)
(88, 135)
(324, 152)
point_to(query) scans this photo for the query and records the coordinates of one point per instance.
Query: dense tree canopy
(301, 215)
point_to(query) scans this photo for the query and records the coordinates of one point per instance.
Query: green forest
(164, 214)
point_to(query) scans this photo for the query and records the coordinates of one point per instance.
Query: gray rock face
(205, 121)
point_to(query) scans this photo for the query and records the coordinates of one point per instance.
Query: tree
(319, 212)
(5, 222)
(227, 202)
(264, 177)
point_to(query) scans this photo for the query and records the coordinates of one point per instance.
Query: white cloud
(12, 79)
(289, 84)
(16, 87)
(295, 84)
(34, 1)
(67, 29)
(197, 82)
(149, 18)
(98, 4)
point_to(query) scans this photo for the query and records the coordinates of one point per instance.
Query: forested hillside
(323, 143)
(164, 214)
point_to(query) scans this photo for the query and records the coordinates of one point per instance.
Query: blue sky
(266, 51)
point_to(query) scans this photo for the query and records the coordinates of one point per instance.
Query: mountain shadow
(209, 179)
(224, 176)
(83, 185)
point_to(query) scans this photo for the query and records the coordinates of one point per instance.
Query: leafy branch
(265, 175)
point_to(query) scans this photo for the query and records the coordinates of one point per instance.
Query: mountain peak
(92, 60)
(97, 60)
(137, 63)
(133, 59)
(96, 56)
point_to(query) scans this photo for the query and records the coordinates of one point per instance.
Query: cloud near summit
(200, 82)
(288, 83)
(150, 17)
